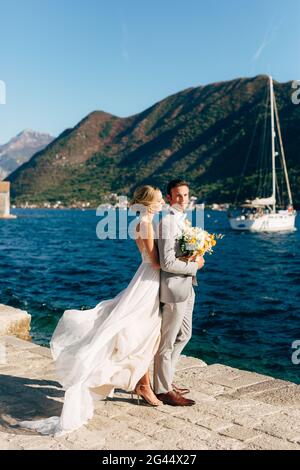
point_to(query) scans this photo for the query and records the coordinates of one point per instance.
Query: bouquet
(194, 242)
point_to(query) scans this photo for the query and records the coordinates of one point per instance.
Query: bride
(111, 345)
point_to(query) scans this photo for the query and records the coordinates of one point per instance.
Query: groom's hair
(175, 183)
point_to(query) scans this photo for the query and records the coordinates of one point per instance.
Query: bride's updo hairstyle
(143, 203)
(144, 196)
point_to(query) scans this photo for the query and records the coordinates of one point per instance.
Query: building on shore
(5, 201)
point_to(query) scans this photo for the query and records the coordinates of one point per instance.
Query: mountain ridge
(20, 148)
(201, 133)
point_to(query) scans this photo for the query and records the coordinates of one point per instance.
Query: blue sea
(247, 311)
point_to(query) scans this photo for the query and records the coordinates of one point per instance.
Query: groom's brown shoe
(174, 399)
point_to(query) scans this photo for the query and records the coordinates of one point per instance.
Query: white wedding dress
(109, 346)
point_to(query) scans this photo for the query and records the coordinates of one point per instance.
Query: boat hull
(266, 223)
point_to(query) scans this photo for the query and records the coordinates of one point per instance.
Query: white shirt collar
(180, 215)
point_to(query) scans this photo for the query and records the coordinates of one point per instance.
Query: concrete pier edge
(235, 409)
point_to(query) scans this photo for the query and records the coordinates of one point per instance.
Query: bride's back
(140, 234)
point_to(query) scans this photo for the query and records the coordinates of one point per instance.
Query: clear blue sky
(61, 59)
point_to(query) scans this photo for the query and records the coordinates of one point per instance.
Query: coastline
(235, 409)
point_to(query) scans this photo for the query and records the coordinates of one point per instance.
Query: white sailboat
(262, 213)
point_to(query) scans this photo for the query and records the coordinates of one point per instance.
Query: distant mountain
(20, 149)
(204, 134)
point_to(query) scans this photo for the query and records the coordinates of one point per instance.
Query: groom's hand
(187, 258)
(200, 261)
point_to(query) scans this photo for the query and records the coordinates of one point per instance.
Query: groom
(176, 295)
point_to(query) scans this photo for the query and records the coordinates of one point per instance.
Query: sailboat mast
(273, 144)
(283, 154)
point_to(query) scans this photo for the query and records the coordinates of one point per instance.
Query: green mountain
(204, 134)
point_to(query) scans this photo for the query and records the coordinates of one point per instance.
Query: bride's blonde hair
(144, 195)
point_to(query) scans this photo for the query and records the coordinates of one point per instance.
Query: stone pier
(235, 409)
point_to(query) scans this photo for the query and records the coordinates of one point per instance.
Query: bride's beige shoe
(146, 392)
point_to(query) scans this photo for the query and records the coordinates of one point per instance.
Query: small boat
(263, 214)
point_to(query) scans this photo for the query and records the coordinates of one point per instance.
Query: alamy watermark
(296, 353)
(2, 92)
(121, 224)
(296, 93)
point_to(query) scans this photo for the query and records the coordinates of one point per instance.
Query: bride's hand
(155, 265)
